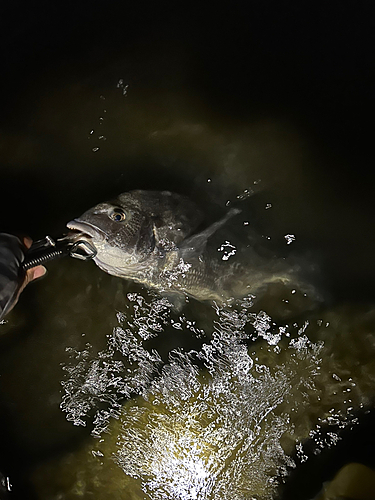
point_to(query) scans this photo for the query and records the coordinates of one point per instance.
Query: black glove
(11, 274)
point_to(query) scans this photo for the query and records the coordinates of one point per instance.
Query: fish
(156, 238)
(149, 237)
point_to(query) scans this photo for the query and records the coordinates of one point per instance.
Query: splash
(218, 421)
(215, 434)
(97, 378)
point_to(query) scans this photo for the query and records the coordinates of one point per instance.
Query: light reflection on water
(220, 421)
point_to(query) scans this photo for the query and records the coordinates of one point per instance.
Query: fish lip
(86, 229)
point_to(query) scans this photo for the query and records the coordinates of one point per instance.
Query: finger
(37, 272)
(32, 274)
(27, 241)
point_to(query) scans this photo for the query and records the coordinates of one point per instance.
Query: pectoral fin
(196, 244)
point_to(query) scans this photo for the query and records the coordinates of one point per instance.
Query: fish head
(121, 232)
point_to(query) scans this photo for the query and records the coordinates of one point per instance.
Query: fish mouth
(86, 229)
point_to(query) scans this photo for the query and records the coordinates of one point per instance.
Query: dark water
(262, 97)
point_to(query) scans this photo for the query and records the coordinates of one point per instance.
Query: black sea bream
(151, 237)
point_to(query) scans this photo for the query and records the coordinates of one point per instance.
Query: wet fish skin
(144, 236)
(151, 237)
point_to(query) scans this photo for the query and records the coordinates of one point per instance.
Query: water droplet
(245, 194)
(268, 205)
(123, 86)
(95, 149)
(289, 238)
(8, 484)
(228, 250)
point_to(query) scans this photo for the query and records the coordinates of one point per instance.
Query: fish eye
(118, 215)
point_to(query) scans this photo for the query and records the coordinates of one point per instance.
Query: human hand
(12, 279)
(33, 273)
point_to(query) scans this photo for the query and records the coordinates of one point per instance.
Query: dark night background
(312, 60)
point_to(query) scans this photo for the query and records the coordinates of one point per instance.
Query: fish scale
(150, 237)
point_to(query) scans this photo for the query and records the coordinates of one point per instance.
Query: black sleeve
(11, 275)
